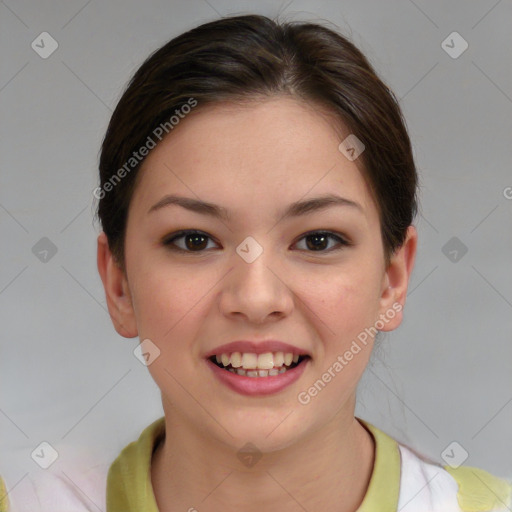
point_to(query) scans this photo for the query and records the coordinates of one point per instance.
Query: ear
(117, 292)
(396, 280)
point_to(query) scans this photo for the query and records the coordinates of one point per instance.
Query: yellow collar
(129, 478)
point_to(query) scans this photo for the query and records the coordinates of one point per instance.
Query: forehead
(277, 149)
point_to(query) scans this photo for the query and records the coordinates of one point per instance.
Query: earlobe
(117, 293)
(396, 280)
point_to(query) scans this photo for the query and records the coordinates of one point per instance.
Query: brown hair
(246, 57)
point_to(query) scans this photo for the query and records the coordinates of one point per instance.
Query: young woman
(257, 199)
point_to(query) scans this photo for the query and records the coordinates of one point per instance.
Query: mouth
(265, 365)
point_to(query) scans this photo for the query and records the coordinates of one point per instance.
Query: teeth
(257, 373)
(236, 359)
(278, 359)
(249, 360)
(268, 363)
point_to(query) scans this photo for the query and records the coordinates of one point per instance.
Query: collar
(129, 478)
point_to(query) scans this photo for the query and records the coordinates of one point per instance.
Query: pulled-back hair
(248, 57)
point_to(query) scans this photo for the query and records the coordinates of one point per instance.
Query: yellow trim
(383, 491)
(4, 500)
(479, 491)
(129, 478)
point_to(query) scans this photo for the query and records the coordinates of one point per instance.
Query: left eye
(196, 241)
(319, 240)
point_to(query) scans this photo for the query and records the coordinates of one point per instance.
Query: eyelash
(168, 241)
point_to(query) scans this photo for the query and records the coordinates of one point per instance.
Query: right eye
(194, 241)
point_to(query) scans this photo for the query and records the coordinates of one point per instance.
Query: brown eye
(194, 241)
(318, 241)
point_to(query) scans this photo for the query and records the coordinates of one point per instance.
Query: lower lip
(253, 386)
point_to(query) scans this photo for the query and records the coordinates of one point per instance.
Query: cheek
(166, 301)
(170, 312)
(166, 311)
(342, 310)
(346, 301)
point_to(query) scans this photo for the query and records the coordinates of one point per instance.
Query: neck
(328, 470)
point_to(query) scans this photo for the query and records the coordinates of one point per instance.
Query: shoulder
(479, 490)
(62, 490)
(428, 487)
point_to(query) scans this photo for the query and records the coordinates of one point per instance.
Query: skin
(254, 160)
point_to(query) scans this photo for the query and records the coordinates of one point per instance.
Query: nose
(257, 291)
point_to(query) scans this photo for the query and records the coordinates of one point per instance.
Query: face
(312, 278)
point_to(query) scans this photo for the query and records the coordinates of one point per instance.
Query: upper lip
(256, 347)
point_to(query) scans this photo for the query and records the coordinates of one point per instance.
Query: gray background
(69, 379)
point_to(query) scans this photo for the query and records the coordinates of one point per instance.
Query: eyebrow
(293, 210)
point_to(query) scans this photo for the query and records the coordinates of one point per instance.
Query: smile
(249, 364)
(258, 374)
